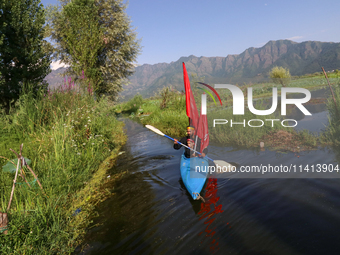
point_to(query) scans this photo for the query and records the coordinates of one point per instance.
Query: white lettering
(272, 121)
(239, 123)
(255, 120)
(232, 122)
(261, 112)
(289, 120)
(297, 101)
(238, 100)
(220, 122)
(238, 97)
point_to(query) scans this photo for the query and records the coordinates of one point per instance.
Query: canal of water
(152, 213)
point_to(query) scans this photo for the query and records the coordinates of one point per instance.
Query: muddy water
(152, 213)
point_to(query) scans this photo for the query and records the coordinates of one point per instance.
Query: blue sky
(170, 29)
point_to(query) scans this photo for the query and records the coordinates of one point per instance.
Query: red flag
(202, 130)
(192, 112)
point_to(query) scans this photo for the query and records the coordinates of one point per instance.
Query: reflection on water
(315, 123)
(152, 213)
(208, 210)
(317, 107)
(319, 118)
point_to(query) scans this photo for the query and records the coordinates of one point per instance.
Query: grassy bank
(67, 135)
(332, 134)
(170, 118)
(166, 112)
(274, 135)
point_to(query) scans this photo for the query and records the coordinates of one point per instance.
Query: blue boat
(194, 173)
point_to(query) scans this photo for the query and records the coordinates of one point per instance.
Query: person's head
(190, 130)
(190, 142)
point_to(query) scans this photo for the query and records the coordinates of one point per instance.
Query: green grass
(332, 134)
(238, 135)
(172, 119)
(67, 135)
(167, 114)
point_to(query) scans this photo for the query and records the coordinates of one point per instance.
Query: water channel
(152, 213)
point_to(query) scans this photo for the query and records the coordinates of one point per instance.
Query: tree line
(94, 37)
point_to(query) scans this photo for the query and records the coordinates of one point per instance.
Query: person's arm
(177, 146)
(204, 152)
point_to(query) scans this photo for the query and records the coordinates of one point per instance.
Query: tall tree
(22, 55)
(280, 75)
(79, 38)
(96, 38)
(121, 45)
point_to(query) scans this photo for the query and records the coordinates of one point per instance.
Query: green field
(166, 111)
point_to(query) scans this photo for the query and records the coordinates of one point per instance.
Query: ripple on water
(152, 213)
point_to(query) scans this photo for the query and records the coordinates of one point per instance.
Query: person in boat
(189, 140)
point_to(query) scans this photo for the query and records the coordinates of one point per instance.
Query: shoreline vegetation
(166, 111)
(72, 142)
(70, 136)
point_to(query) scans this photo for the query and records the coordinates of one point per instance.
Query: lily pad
(11, 168)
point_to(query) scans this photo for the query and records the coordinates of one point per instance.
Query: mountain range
(251, 66)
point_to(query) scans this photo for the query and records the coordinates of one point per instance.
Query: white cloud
(294, 38)
(57, 64)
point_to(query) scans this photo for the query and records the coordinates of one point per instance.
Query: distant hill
(54, 78)
(252, 65)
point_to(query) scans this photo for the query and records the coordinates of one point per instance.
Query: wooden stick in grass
(15, 179)
(336, 107)
(3, 223)
(22, 174)
(35, 176)
(25, 164)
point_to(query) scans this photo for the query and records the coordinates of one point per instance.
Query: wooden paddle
(218, 163)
